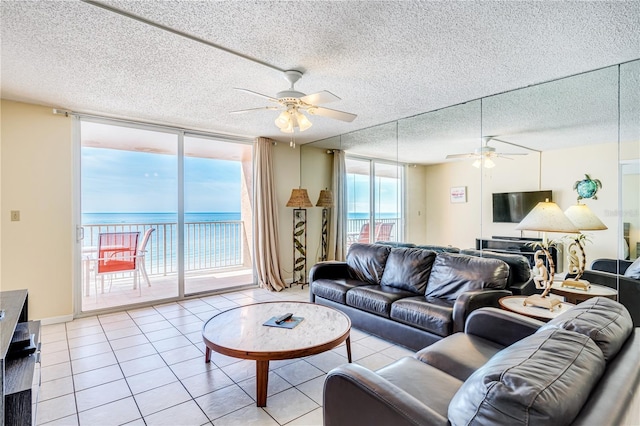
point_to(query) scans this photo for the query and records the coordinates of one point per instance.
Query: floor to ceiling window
(375, 201)
(163, 214)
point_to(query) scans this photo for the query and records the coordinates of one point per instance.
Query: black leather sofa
(408, 295)
(581, 368)
(520, 280)
(602, 272)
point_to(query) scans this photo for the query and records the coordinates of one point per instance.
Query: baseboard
(56, 320)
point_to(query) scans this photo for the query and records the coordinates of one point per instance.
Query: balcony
(216, 257)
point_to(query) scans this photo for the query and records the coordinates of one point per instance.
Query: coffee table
(577, 295)
(240, 333)
(516, 304)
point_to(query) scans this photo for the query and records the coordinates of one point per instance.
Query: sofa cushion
(633, 271)
(459, 354)
(366, 261)
(453, 274)
(420, 380)
(335, 289)
(375, 299)
(519, 268)
(433, 315)
(606, 322)
(408, 269)
(543, 379)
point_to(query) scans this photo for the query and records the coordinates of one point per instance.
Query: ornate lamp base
(542, 301)
(581, 284)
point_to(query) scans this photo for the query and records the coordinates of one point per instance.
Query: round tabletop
(240, 333)
(516, 304)
(594, 290)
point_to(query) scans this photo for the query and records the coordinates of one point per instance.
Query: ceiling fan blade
(332, 113)
(323, 97)
(450, 156)
(500, 154)
(240, 111)
(257, 94)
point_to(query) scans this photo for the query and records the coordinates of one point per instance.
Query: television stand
(521, 246)
(18, 364)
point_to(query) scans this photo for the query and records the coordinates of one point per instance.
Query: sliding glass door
(184, 203)
(217, 222)
(375, 201)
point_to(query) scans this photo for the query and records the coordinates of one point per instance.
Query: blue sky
(129, 181)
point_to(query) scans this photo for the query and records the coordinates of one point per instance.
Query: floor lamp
(546, 217)
(325, 200)
(299, 200)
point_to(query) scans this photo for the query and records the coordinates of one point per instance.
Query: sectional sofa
(581, 368)
(408, 295)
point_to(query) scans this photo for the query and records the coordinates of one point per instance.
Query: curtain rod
(67, 113)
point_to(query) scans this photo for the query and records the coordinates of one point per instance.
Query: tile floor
(146, 367)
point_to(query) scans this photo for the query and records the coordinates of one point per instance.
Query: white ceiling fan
(294, 103)
(484, 155)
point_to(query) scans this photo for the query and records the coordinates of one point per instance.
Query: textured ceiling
(386, 60)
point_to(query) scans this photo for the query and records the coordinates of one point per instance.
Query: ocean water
(156, 217)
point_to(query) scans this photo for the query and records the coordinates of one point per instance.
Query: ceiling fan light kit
(484, 155)
(293, 103)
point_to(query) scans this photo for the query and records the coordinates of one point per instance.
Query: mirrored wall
(541, 138)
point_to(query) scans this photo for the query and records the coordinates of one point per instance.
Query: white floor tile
(247, 416)
(161, 398)
(100, 395)
(298, 372)
(114, 413)
(224, 401)
(204, 383)
(187, 413)
(56, 408)
(313, 418)
(151, 379)
(289, 405)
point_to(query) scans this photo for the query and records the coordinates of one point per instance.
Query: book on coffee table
(290, 323)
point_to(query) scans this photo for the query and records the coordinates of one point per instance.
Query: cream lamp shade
(547, 216)
(325, 199)
(299, 199)
(584, 219)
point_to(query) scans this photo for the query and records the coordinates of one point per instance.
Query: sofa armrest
(469, 301)
(354, 395)
(500, 326)
(330, 270)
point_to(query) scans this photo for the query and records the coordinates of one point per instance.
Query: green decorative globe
(587, 188)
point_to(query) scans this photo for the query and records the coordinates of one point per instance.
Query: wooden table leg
(348, 344)
(262, 382)
(207, 354)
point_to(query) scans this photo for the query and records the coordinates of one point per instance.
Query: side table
(516, 304)
(577, 295)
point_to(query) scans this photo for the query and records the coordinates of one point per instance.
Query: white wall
(36, 179)
(416, 205)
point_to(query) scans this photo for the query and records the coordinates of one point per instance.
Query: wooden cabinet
(519, 246)
(18, 373)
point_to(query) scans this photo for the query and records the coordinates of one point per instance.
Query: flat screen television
(512, 207)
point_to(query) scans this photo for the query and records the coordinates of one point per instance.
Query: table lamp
(585, 220)
(545, 217)
(300, 200)
(325, 200)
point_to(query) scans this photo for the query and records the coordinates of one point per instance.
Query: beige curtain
(338, 218)
(265, 219)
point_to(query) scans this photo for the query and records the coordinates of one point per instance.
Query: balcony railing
(356, 226)
(208, 245)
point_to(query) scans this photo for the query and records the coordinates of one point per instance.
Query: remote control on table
(283, 318)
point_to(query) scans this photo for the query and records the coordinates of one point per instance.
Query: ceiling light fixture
(291, 119)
